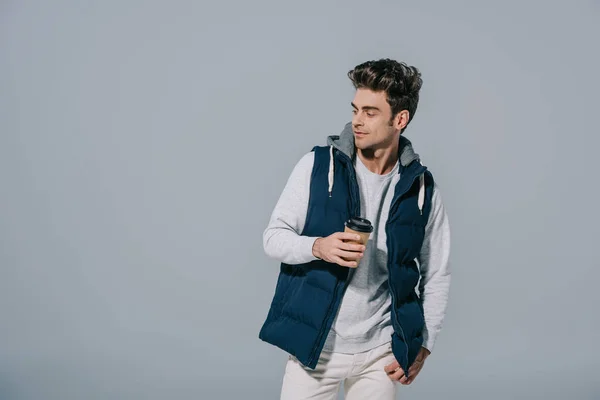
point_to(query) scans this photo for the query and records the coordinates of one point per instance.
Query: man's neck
(379, 161)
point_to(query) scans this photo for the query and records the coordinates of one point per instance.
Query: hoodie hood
(344, 142)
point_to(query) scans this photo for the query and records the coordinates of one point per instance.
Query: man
(367, 316)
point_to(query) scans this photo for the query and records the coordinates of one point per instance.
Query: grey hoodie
(363, 320)
(344, 142)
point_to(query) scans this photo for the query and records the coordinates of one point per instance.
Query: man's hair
(400, 82)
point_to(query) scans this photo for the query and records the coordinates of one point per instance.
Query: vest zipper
(394, 310)
(355, 200)
(392, 210)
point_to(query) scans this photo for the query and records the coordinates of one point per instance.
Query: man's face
(372, 122)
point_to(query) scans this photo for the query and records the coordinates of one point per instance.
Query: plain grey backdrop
(144, 144)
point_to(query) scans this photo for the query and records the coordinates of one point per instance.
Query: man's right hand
(339, 248)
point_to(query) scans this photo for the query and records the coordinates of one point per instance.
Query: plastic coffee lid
(359, 224)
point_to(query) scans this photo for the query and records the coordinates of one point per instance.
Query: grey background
(143, 145)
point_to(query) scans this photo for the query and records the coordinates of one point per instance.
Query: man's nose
(357, 121)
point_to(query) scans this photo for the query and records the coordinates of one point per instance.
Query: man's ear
(401, 120)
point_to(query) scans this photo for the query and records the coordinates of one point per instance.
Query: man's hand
(334, 249)
(396, 373)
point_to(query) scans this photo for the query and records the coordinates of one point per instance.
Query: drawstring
(330, 175)
(421, 193)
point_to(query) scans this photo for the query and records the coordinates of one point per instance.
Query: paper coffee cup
(360, 226)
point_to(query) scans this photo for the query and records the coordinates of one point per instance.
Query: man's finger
(413, 371)
(391, 367)
(349, 255)
(415, 367)
(348, 246)
(411, 377)
(348, 236)
(398, 375)
(394, 371)
(344, 263)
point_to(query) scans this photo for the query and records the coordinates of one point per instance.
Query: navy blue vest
(307, 296)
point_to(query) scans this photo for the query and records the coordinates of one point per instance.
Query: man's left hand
(396, 373)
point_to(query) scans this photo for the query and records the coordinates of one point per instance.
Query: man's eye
(354, 111)
(370, 114)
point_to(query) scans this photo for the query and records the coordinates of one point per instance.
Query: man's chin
(361, 145)
(359, 142)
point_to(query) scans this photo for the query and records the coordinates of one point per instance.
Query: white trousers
(362, 374)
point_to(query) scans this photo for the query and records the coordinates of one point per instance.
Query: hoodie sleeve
(282, 239)
(435, 270)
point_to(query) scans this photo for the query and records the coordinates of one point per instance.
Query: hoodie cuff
(428, 340)
(304, 249)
